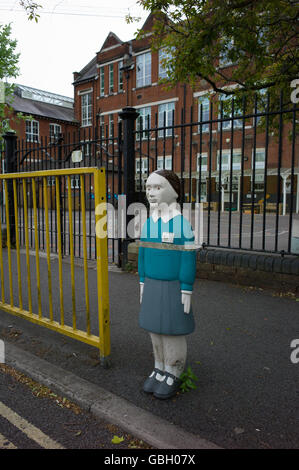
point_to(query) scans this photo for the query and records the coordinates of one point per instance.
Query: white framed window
(111, 125)
(86, 149)
(102, 127)
(141, 165)
(86, 109)
(102, 81)
(55, 130)
(163, 55)
(32, 131)
(227, 113)
(203, 113)
(164, 163)
(259, 158)
(143, 122)
(143, 70)
(111, 78)
(226, 159)
(75, 181)
(165, 118)
(202, 162)
(120, 76)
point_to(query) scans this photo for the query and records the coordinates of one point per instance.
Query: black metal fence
(79, 149)
(241, 164)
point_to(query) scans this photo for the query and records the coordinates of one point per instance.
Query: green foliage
(8, 69)
(31, 9)
(188, 378)
(259, 38)
(129, 267)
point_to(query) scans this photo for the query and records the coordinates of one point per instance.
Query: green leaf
(117, 440)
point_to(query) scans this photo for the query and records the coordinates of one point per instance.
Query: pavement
(248, 386)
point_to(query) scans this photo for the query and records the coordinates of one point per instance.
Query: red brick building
(202, 154)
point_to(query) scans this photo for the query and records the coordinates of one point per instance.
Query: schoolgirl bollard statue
(167, 273)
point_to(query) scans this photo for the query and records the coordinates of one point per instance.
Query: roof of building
(88, 72)
(42, 103)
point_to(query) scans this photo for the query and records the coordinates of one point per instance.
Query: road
(34, 417)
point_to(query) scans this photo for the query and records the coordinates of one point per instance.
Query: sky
(66, 37)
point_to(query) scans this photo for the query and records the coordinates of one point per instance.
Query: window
(141, 165)
(259, 183)
(224, 59)
(259, 158)
(227, 113)
(203, 113)
(32, 131)
(102, 81)
(111, 125)
(55, 130)
(86, 109)
(143, 122)
(163, 70)
(202, 162)
(226, 159)
(102, 127)
(165, 118)
(143, 69)
(86, 149)
(75, 181)
(111, 78)
(120, 76)
(164, 163)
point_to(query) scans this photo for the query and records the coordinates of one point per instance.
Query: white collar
(167, 214)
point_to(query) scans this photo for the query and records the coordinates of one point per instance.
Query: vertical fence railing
(241, 162)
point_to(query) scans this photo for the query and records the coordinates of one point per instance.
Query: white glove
(186, 300)
(141, 290)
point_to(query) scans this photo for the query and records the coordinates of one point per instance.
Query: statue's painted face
(159, 190)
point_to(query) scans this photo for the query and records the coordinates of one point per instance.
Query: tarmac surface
(247, 389)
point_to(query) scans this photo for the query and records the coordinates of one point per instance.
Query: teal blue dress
(165, 273)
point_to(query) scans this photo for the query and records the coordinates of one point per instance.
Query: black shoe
(151, 382)
(164, 390)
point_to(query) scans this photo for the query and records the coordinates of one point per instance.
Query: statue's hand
(141, 290)
(186, 300)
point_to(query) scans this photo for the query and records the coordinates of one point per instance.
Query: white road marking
(29, 429)
(5, 443)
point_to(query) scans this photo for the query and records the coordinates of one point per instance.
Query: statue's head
(162, 186)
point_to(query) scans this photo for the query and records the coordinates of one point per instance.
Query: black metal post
(128, 115)
(10, 140)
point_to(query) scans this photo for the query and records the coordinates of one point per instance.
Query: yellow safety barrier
(100, 340)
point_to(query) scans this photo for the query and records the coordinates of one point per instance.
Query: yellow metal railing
(100, 340)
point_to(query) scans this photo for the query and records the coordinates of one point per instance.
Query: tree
(31, 9)
(9, 62)
(8, 68)
(251, 43)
